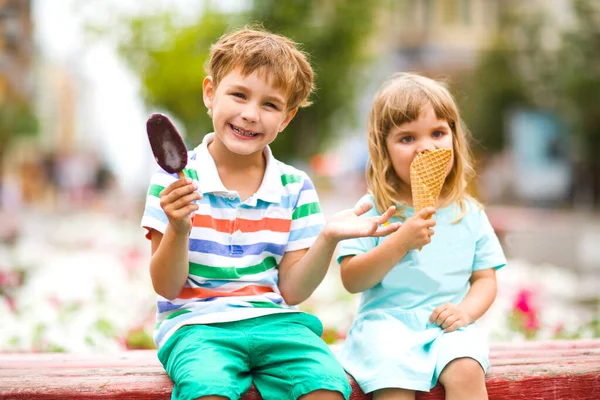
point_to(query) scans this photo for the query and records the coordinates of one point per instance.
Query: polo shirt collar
(270, 190)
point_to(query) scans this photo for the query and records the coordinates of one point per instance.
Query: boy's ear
(208, 91)
(290, 116)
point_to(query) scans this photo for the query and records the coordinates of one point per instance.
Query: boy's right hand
(417, 230)
(177, 201)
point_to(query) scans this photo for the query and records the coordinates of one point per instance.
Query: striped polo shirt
(235, 247)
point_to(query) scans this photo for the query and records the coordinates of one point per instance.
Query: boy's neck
(240, 173)
(235, 162)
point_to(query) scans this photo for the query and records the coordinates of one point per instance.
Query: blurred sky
(113, 113)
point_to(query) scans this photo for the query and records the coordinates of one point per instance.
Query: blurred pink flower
(524, 305)
(523, 301)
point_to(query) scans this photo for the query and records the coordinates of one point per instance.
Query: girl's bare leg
(464, 379)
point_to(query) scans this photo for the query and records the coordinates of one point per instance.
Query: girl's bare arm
(366, 270)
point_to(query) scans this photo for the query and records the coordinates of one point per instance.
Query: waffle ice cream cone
(428, 172)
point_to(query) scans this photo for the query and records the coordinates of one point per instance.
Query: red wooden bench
(529, 370)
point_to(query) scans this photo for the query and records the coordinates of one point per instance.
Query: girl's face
(411, 138)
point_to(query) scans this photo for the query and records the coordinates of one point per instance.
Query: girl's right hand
(417, 230)
(177, 201)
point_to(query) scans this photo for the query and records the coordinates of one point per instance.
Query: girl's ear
(208, 91)
(289, 117)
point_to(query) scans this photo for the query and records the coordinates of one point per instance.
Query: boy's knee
(461, 373)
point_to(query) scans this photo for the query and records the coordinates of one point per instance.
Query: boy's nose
(250, 113)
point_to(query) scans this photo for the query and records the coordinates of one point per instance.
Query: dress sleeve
(307, 218)
(353, 247)
(488, 251)
(154, 217)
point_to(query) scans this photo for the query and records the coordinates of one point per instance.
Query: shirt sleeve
(353, 247)
(488, 251)
(154, 217)
(307, 218)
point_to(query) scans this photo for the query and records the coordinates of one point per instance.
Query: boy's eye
(271, 105)
(406, 139)
(240, 95)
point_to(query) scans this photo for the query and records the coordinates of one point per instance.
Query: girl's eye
(406, 139)
(438, 134)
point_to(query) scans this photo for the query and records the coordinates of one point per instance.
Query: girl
(415, 320)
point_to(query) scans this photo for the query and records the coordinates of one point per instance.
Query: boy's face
(247, 111)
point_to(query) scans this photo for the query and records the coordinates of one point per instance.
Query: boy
(229, 277)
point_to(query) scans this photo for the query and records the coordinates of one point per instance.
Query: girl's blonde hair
(401, 99)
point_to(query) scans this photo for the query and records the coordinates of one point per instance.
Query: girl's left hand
(348, 224)
(450, 317)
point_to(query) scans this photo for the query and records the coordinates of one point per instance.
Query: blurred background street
(78, 80)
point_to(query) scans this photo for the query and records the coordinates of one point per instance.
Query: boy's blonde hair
(276, 57)
(401, 99)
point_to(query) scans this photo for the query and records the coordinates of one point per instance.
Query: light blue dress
(391, 343)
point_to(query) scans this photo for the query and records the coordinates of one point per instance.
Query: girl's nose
(424, 146)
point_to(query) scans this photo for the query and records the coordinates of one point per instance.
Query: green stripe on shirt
(206, 271)
(154, 190)
(176, 313)
(191, 173)
(286, 178)
(306, 209)
(264, 304)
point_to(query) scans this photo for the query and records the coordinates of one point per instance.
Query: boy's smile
(243, 133)
(248, 112)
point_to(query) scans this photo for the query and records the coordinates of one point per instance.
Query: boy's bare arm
(169, 263)
(300, 272)
(362, 272)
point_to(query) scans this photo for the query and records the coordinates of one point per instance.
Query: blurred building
(436, 36)
(444, 37)
(50, 161)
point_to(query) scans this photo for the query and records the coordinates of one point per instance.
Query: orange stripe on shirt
(244, 225)
(199, 293)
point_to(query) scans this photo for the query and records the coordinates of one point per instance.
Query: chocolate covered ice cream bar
(167, 145)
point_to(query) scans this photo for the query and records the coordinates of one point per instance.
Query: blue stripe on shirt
(308, 232)
(235, 251)
(156, 213)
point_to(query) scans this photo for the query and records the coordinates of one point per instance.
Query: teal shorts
(283, 354)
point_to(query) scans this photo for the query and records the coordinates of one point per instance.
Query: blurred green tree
(16, 119)
(520, 70)
(578, 80)
(169, 60)
(496, 88)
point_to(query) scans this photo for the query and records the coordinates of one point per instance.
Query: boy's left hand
(450, 317)
(348, 224)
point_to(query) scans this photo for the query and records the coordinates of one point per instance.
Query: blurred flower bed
(80, 283)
